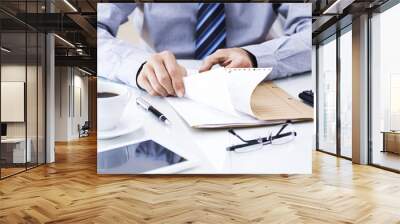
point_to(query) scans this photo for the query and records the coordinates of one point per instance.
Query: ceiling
(74, 22)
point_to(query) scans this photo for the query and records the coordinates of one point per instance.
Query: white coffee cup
(111, 107)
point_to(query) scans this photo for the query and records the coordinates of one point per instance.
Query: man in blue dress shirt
(228, 34)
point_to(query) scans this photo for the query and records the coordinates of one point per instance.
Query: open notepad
(236, 97)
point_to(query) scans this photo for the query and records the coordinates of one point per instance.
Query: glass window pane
(385, 84)
(31, 97)
(327, 97)
(346, 94)
(13, 87)
(32, 88)
(41, 98)
(22, 86)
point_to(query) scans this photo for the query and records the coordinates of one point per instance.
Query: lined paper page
(235, 98)
(210, 88)
(202, 116)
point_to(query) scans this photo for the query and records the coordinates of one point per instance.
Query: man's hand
(229, 58)
(162, 76)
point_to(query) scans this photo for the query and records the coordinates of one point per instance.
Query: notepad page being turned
(209, 88)
(203, 116)
(219, 98)
(228, 90)
(241, 83)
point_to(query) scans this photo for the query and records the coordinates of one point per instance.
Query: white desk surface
(13, 140)
(207, 146)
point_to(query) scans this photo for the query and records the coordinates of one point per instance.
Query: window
(346, 92)
(15, 149)
(327, 96)
(22, 78)
(334, 106)
(385, 89)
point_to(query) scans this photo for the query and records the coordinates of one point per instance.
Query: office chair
(84, 130)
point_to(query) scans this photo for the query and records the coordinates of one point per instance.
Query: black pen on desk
(147, 106)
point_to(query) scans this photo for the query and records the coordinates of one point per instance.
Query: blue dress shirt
(171, 26)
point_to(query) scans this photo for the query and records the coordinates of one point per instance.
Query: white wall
(80, 109)
(15, 72)
(62, 81)
(12, 101)
(34, 125)
(70, 83)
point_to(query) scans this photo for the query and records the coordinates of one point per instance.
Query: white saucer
(128, 124)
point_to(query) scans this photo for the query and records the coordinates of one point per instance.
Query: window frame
(333, 37)
(378, 10)
(27, 29)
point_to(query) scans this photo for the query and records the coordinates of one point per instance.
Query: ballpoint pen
(147, 106)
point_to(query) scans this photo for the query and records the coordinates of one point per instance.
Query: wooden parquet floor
(70, 191)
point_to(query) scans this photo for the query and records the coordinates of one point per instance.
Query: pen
(145, 105)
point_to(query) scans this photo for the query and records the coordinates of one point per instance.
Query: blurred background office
(357, 68)
(48, 83)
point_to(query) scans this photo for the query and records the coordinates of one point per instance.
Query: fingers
(226, 63)
(162, 76)
(216, 58)
(233, 64)
(240, 58)
(229, 58)
(176, 72)
(155, 84)
(145, 84)
(177, 81)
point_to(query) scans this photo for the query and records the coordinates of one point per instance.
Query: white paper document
(220, 97)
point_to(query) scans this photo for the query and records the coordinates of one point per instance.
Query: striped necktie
(210, 29)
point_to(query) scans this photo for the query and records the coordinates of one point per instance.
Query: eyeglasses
(280, 137)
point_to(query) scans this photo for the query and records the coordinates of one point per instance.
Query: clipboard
(269, 102)
(223, 98)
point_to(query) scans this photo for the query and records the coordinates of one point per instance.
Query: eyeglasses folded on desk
(284, 135)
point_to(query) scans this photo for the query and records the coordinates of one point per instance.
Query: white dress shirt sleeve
(291, 53)
(116, 59)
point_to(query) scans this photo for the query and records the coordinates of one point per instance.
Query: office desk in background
(391, 141)
(13, 150)
(208, 146)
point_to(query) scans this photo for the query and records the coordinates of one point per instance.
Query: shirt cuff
(263, 59)
(252, 58)
(137, 75)
(126, 71)
(265, 56)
